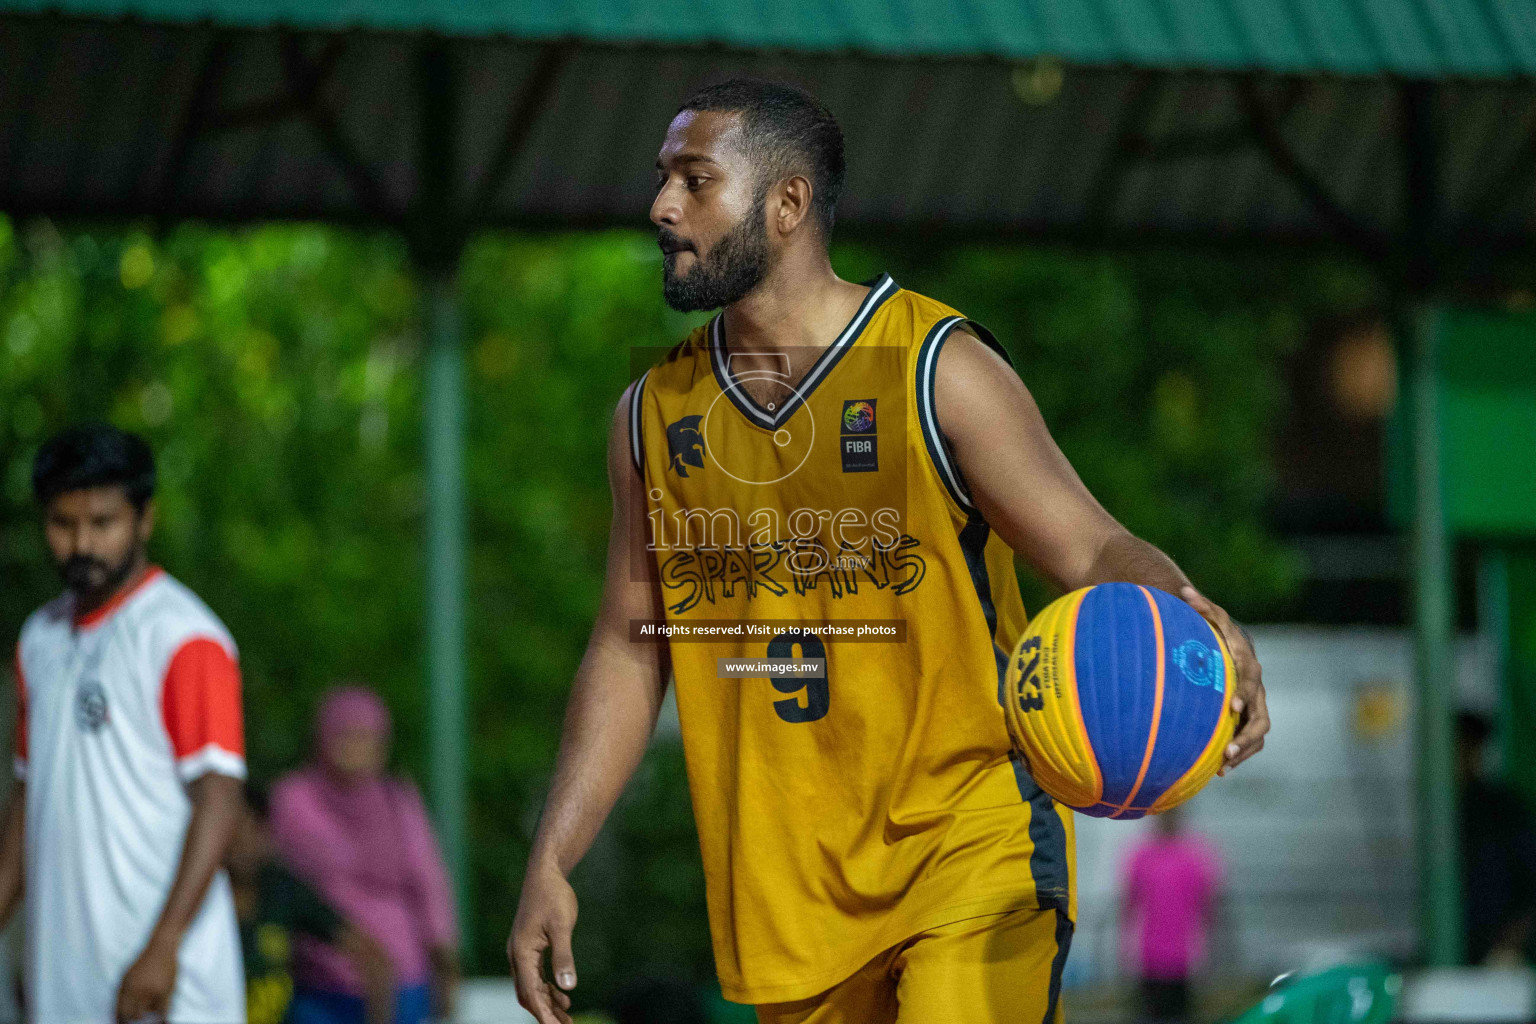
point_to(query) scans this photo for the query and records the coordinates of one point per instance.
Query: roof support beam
(1266, 130)
(301, 93)
(305, 77)
(1184, 145)
(1504, 183)
(1129, 140)
(520, 121)
(198, 113)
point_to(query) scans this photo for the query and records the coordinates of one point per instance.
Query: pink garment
(1170, 885)
(369, 849)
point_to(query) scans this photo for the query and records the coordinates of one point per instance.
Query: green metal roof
(1414, 122)
(1409, 38)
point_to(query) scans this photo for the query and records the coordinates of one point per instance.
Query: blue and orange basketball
(1119, 698)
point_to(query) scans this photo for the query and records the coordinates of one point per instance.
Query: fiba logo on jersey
(685, 444)
(91, 706)
(858, 441)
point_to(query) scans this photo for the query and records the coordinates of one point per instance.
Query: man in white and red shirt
(129, 759)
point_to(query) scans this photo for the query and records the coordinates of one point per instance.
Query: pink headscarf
(367, 808)
(347, 708)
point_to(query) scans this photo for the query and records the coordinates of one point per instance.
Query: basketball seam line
(1157, 705)
(1069, 661)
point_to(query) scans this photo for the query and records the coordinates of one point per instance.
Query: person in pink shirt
(1170, 884)
(363, 840)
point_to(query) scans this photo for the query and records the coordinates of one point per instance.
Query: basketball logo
(1199, 664)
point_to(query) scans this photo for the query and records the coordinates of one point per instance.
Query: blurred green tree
(275, 371)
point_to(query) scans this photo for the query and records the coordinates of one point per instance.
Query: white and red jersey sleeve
(200, 704)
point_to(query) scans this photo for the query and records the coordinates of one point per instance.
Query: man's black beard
(736, 264)
(82, 572)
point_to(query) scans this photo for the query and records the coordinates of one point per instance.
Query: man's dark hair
(94, 455)
(787, 131)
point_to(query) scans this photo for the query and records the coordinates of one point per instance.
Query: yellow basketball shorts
(997, 969)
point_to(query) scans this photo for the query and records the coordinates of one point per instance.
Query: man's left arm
(200, 703)
(1030, 494)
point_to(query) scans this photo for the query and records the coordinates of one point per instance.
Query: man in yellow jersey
(818, 497)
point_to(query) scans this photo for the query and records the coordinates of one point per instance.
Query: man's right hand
(546, 916)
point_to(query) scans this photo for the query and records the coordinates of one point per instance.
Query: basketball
(1118, 698)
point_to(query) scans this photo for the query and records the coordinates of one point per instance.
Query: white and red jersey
(118, 712)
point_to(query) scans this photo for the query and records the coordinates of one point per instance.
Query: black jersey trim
(1048, 863)
(927, 407)
(973, 542)
(1048, 860)
(1064, 930)
(729, 385)
(880, 290)
(636, 443)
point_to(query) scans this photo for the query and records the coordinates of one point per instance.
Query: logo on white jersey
(91, 706)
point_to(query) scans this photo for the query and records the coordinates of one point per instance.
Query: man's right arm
(612, 711)
(11, 850)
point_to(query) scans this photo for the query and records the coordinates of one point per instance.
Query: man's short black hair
(94, 455)
(788, 132)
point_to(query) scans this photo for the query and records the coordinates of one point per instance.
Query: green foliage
(1157, 373)
(275, 371)
(272, 372)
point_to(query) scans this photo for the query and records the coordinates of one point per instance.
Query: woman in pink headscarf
(362, 839)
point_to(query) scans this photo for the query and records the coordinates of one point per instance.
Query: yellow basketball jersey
(840, 813)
